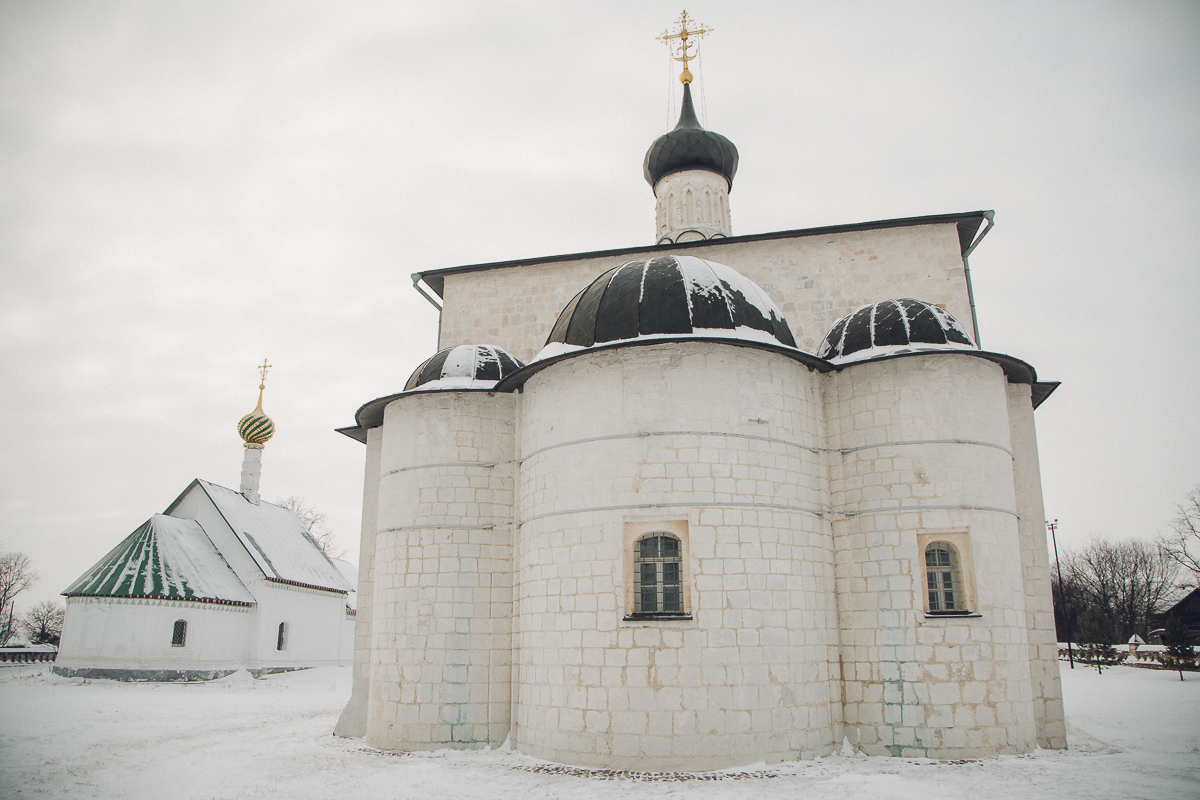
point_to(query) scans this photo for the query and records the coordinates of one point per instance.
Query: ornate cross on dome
(683, 34)
(262, 370)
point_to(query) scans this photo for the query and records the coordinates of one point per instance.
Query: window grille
(658, 575)
(941, 570)
(281, 643)
(179, 633)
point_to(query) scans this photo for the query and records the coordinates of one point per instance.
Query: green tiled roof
(165, 557)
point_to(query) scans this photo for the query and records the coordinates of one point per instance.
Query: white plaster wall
(353, 721)
(314, 617)
(722, 438)
(922, 446)
(441, 640)
(1035, 561)
(692, 205)
(111, 633)
(814, 280)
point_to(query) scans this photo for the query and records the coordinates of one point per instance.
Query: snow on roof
(165, 557)
(277, 540)
(350, 573)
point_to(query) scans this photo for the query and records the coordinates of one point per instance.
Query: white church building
(220, 581)
(707, 502)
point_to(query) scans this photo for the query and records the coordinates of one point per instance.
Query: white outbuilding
(713, 501)
(220, 581)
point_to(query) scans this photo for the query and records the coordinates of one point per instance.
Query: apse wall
(920, 454)
(441, 597)
(717, 445)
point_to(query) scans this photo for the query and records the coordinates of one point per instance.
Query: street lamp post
(1062, 593)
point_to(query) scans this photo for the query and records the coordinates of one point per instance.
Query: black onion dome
(669, 296)
(690, 146)
(467, 366)
(893, 326)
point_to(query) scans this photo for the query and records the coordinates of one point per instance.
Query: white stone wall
(353, 721)
(814, 280)
(921, 449)
(1035, 562)
(314, 619)
(691, 206)
(135, 634)
(722, 440)
(441, 640)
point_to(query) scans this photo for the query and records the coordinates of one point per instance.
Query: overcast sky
(187, 188)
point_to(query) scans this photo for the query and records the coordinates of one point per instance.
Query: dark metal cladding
(923, 326)
(431, 370)
(559, 332)
(487, 369)
(582, 328)
(951, 328)
(664, 306)
(858, 331)
(617, 316)
(781, 330)
(711, 310)
(832, 346)
(508, 364)
(689, 146)
(889, 324)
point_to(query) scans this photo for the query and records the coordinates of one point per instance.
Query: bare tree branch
(314, 521)
(1182, 545)
(44, 623)
(16, 575)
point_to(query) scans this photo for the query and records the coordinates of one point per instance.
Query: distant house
(220, 581)
(1187, 609)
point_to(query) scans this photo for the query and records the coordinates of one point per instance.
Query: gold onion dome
(256, 428)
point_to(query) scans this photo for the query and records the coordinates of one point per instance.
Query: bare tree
(44, 623)
(16, 575)
(1126, 582)
(1182, 545)
(314, 521)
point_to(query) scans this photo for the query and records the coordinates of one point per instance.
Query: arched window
(179, 633)
(943, 578)
(658, 575)
(281, 643)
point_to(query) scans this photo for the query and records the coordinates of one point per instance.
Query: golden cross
(683, 34)
(262, 370)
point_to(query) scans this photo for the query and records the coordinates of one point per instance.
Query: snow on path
(1134, 734)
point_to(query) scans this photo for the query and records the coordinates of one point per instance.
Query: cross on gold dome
(262, 370)
(683, 34)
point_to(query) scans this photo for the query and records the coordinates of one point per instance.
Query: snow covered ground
(1135, 733)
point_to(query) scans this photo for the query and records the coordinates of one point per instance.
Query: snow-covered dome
(668, 297)
(891, 327)
(466, 366)
(689, 146)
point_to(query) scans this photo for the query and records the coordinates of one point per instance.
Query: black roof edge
(370, 414)
(1042, 390)
(518, 378)
(968, 223)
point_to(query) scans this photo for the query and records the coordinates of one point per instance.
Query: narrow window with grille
(658, 575)
(179, 633)
(941, 571)
(281, 643)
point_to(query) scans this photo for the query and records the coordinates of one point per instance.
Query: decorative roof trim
(306, 585)
(968, 223)
(211, 600)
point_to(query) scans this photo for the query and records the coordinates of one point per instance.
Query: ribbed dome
(668, 296)
(467, 366)
(256, 427)
(893, 326)
(689, 146)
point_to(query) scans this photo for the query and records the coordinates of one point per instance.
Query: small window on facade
(179, 633)
(281, 644)
(942, 579)
(658, 585)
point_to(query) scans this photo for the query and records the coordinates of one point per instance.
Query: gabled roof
(166, 557)
(276, 539)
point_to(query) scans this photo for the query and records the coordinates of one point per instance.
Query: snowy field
(1134, 733)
